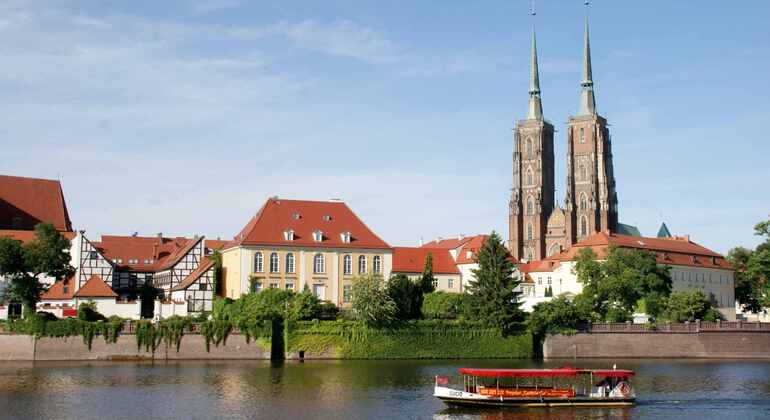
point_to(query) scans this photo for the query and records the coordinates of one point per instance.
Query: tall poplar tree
(493, 298)
(427, 279)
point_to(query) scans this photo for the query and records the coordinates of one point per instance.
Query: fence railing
(669, 327)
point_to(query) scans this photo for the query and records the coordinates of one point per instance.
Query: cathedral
(538, 227)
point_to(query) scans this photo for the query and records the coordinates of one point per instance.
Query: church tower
(591, 204)
(532, 197)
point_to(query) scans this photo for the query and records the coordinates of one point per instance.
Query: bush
(690, 305)
(407, 295)
(443, 305)
(373, 306)
(305, 306)
(557, 316)
(329, 311)
(87, 312)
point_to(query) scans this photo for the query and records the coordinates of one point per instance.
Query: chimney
(460, 237)
(135, 234)
(160, 235)
(421, 241)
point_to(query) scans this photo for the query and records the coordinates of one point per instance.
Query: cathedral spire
(535, 111)
(587, 101)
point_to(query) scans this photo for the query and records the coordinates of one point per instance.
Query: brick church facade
(538, 227)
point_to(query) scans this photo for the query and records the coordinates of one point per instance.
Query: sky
(184, 116)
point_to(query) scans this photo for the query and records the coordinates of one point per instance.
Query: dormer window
(327, 218)
(295, 216)
(288, 234)
(468, 254)
(318, 236)
(345, 237)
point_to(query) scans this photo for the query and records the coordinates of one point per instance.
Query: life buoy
(624, 389)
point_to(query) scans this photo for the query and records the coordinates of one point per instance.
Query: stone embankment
(707, 340)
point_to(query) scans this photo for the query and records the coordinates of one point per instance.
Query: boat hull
(545, 402)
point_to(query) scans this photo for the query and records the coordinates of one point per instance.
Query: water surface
(350, 389)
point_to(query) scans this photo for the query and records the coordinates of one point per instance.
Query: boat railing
(673, 327)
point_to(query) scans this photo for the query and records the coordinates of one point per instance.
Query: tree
(216, 257)
(748, 289)
(407, 295)
(427, 278)
(305, 306)
(493, 297)
(626, 279)
(443, 305)
(557, 316)
(690, 305)
(371, 302)
(24, 264)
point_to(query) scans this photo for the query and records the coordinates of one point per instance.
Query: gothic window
(529, 232)
(274, 262)
(582, 135)
(347, 265)
(377, 264)
(583, 226)
(530, 206)
(529, 254)
(319, 264)
(583, 201)
(362, 264)
(529, 147)
(530, 177)
(290, 262)
(258, 267)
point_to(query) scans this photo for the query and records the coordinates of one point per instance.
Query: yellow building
(293, 244)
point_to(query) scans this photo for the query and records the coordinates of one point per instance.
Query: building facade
(410, 261)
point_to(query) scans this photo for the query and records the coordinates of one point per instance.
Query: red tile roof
(29, 235)
(205, 265)
(25, 202)
(159, 252)
(670, 251)
(332, 218)
(215, 244)
(447, 243)
(412, 260)
(467, 254)
(56, 291)
(95, 287)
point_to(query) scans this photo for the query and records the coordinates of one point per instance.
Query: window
(435, 283)
(345, 237)
(540, 281)
(583, 226)
(288, 234)
(450, 283)
(273, 285)
(65, 289)
(529, 146)
(318, 236)
(582, 135)
(295, 216)
(530, 205)
(319, 291)
(93, 255)
(327, 218)
(529, 232)
(347, 264)
(289, 286)
(274, 263)
(346, 293)
(258, 267)
(583, 201)
(549, 281)
(257, 287)
(377, 264)
(203, 286)
(530, 180)
(362, 264)
(319, 264)
(582, 174)
(290, 262)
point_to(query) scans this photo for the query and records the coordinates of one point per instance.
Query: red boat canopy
(544, 373)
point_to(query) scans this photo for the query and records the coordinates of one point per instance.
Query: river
(350, 389)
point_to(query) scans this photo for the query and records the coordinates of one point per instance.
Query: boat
(562, 387)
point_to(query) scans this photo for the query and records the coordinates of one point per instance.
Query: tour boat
(563, 387)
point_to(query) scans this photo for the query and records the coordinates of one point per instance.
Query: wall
(711, 344)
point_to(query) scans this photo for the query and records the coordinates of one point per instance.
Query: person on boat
(604, 386)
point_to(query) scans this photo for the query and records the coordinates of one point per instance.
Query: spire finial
(535, 110)
(587, 100)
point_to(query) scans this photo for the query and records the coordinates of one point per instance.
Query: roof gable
(25, 202)
(95, 287)
(205, 265)
(302, 219)
(60, 290)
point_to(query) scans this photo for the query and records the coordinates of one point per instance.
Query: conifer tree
(493, 298)
(427, 279)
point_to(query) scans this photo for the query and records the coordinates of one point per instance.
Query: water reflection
(350, 389)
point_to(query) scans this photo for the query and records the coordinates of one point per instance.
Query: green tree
(748, 288)
(557, 316)
(626, 278)
(371, 302)
(443, 305)
(87, 312)
(427, 278)
(216, 257)
(269, 304)
(493, 297)
(24, 264)
(305, 306)
(407, 295)
(690, 305)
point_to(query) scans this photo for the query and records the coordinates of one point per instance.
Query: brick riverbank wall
(704, 344)
(193, 347)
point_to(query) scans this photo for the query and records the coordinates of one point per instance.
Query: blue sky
(182, 117)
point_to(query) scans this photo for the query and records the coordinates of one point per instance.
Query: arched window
(529, 254)
(274, 263)
(583, 201)
(529, 232)
(582, 135)
(319, 264)
(290, 262)
(362, 264)
(529, 146)
(530, 177)
(530, 206)
(377, 264)
(583, 226)
(347, 264)
(584, 172)
(258, 264)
